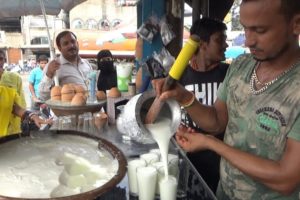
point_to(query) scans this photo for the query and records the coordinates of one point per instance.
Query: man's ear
(296, 24)
(201, 43)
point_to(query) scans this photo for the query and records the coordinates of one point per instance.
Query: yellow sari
(8, 97)
(13, 80)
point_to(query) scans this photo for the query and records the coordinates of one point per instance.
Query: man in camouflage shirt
(258, 106)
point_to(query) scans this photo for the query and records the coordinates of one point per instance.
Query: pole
(47, 27)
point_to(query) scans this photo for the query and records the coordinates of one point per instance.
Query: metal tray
(64, 108)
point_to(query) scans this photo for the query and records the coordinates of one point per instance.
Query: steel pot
(131, 120)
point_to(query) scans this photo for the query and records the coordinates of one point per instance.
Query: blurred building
(25, 38)
(11, 38)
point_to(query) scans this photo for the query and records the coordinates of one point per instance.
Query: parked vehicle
(14, 68)
(26, 68)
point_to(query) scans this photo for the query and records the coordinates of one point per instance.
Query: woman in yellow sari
(9, 105)
(12, 80)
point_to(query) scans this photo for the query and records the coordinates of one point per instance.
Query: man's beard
(275, 56)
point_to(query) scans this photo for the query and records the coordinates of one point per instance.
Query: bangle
(28, 115)
(31, 115)
(190, 102)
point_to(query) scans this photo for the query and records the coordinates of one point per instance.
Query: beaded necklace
(254, 80)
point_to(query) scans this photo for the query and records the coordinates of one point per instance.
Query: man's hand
(189, 140)
(35, 99)
(52, 67)
(179, 93)
(39, 121)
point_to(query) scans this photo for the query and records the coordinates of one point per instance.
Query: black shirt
(205, 86)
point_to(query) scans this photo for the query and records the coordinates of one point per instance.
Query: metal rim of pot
(173, 106)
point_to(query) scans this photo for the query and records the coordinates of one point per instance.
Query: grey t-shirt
(67, 73)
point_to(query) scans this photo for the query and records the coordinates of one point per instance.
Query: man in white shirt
(68, 67)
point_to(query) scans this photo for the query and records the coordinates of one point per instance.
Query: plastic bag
(168, 59)
(154, 68)
(165, 59)
(149, 29)
(167, 35)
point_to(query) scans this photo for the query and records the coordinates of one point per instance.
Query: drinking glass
(168, 188)
(132, 167)
(150, 158)
(173, 164)
(159, 166)
(80, 122)
(182, 178)
(156, 151)
(146, 179)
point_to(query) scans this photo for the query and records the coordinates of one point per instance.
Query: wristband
(190, 102)
(25, 115)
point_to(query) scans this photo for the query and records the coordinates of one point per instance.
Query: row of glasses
(68, 122)
(87, 122)
(147, 179)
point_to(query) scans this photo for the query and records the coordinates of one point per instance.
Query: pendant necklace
(254, 80)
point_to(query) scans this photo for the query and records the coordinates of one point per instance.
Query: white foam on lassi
(161, 133)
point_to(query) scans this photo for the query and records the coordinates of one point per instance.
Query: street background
(25, 77)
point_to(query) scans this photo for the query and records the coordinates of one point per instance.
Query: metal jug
(131, 121)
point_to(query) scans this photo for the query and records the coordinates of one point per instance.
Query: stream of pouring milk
(161, 132)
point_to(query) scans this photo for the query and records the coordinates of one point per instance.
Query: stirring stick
(56, 82)
(174, 75)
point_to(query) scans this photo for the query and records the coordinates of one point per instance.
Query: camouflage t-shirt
(258, 124)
